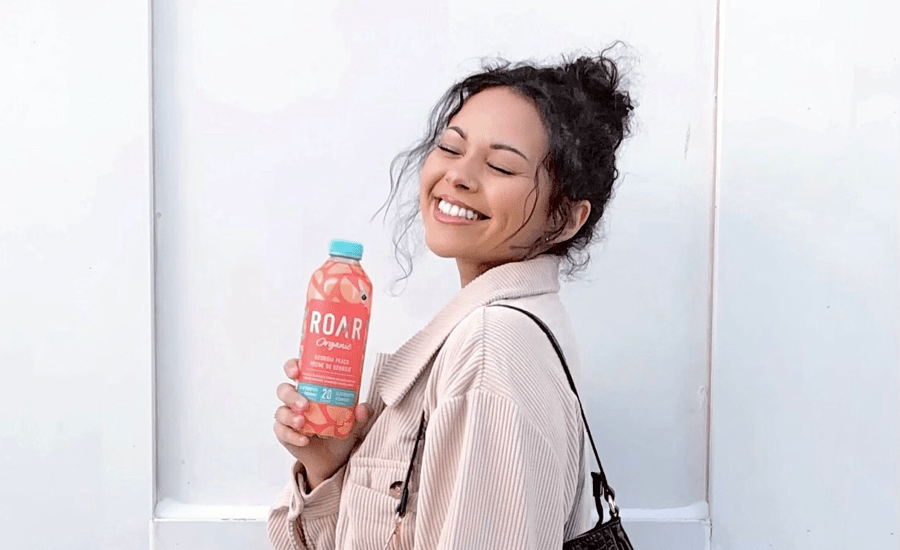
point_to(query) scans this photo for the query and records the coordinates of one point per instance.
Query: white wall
(274, 119)
(805, 395)
(256, 151)
(75, 275)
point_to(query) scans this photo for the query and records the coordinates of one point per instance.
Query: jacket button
(396, 488)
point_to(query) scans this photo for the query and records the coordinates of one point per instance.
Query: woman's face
(484, 180)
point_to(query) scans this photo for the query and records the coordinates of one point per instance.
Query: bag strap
(404, 497)
(601, 486)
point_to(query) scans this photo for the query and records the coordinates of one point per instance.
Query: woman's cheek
(427, 181)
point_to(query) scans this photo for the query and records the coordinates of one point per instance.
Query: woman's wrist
(300, 478)
(314, 479)
(311, 482)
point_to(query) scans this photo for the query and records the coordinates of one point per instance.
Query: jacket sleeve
(300, 521)
(489, 479)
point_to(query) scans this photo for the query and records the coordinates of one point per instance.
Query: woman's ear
(578, 214)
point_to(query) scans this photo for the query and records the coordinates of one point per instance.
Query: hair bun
(599, 79)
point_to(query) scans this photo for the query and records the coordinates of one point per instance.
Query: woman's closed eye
(503, 171)
(453, 152)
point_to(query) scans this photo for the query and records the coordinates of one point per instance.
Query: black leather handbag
(603, 536)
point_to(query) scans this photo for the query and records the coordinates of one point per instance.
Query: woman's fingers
(286, 426)
(287, 393)
(289, 396)
(288, 436)
(292, 369)
(289, 418)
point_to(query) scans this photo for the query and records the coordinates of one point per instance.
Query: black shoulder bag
(603, 536)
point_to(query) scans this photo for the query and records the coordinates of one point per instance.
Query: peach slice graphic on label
(338, 268)
(328, 432)
(329, 286)
(314, 414)
(343, 430)
(348, 291)
(339, 414)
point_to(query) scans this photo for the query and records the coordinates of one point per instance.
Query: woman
(515, 173)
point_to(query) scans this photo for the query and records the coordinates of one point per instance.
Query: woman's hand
(321, 456)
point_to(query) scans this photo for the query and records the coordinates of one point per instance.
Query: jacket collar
(398, 372)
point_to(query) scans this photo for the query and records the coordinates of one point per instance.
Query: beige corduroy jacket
(502, 466)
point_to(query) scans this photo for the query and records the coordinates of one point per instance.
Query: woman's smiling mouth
(452, 214)
(452, 208)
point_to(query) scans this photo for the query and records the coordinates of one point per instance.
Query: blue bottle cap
(346, 249)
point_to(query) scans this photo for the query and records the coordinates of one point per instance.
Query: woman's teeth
(454, 210)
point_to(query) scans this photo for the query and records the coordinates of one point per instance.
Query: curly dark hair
(586, 115)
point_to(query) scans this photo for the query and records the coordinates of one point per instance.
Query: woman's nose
(462, 176)
(459, 182)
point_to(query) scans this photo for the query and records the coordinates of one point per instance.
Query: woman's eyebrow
(459, 131)
(504, 147)
(498, 146)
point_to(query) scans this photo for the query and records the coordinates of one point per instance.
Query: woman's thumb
(363, 415)
(363, 412)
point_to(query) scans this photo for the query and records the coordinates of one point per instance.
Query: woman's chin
(442, 251)
(443, 248)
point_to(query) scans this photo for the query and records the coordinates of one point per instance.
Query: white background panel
(275, 129)
(805, 397)
(75, 275)
(275, 120)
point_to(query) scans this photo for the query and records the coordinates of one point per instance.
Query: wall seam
(153, 270)
(713, 257)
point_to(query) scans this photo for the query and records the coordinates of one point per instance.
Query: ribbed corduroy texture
(502, 463)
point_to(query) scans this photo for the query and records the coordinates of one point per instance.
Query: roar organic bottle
(332, 349)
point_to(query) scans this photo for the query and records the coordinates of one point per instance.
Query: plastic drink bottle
(332, 349)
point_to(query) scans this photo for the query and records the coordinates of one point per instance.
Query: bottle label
(334, 340)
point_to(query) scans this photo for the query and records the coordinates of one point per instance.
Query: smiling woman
(514, 174)
(555, 128)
